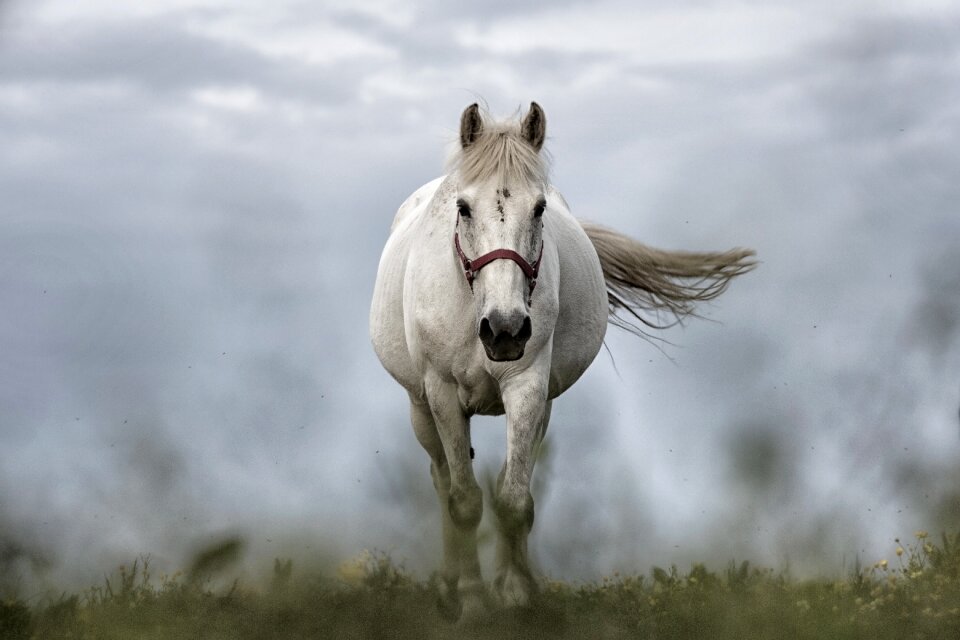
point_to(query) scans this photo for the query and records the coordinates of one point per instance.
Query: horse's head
(500, 204)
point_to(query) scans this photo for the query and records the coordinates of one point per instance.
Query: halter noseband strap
(472, 267)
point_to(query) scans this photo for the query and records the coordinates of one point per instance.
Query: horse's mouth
(504, 354)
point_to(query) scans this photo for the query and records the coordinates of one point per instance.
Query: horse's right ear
(471, 124)
(534, 126)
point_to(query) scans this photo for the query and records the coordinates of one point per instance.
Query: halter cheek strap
(472, 267)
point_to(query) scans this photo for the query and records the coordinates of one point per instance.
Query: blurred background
(193, 199)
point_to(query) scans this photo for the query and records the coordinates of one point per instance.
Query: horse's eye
(538, 208)
(463, 209)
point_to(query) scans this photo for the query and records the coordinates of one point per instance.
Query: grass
(915, 595)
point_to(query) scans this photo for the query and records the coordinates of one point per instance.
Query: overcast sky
(194, 195)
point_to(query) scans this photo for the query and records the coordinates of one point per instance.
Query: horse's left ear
(471, 124)
(534, 126)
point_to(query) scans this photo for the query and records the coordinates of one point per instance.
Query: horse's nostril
(496, 328)
(485, 332)
(525, 331)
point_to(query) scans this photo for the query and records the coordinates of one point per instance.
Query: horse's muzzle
(504, 336)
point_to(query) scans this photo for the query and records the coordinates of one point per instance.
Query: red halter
(472, 267)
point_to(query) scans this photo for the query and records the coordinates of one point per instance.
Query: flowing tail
(643, 281)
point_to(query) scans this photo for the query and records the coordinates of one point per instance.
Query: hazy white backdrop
(194, 195)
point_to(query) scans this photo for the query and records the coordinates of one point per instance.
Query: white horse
(492, 298)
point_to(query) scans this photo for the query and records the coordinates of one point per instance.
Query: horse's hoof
(449, 608)
(448, 602)
(514, 589)
(473, 610)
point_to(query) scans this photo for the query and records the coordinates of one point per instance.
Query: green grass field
(914, 594)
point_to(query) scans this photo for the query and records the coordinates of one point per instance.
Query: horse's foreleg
(426, 431)
(460, 495)
(528, 412)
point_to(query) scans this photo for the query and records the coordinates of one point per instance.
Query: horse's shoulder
(554, 193)
(416, 202)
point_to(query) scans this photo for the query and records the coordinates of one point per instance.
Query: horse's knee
(466, 506)
(514, 510)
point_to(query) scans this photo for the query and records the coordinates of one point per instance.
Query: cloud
(664, 35)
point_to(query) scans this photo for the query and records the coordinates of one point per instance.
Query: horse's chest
(479, 393)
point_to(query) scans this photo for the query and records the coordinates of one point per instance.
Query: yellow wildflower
(354, 570)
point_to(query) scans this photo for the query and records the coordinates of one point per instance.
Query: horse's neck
(437, 221)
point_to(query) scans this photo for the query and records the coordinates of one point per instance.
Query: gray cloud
(162, 58)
